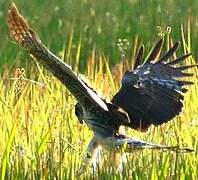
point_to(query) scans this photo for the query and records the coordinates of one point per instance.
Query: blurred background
(40, 136)
(98, 25)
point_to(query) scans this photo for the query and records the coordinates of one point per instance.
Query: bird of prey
(150, 94)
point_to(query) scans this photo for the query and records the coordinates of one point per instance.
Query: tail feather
(130, 144)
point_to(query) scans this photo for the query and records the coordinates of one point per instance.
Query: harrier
(150, 94)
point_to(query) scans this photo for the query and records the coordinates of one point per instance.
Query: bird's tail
(130, 144)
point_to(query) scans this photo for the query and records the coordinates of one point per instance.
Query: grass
(40, 135)
(98, 25)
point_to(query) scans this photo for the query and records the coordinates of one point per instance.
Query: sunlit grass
(42, 138)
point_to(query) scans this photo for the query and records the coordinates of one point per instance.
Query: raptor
(150, 94)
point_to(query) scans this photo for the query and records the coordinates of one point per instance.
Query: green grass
(40, 135)
(98, 24)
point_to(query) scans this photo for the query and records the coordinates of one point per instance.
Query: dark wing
(26, 37)
(153, 92)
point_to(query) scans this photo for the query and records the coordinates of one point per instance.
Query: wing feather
(153, 92)
(181, 68)
(156, 51)
(27, 38)
(169, 53)
(139, 57)
(180, 59)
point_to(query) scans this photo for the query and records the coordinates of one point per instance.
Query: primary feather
(152, 93)
(102, 117)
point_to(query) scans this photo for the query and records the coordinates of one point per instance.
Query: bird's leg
(118, 156)
(89, 155)
(117, 159)
(97, 160)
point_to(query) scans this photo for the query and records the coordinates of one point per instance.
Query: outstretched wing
(153, 92)
(30, 41)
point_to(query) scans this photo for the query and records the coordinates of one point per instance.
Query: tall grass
(40, 135)
(98, 24)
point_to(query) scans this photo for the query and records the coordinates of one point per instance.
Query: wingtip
(13, 5)
(139, 56)
(179, 59)
(13, 9)
(12, 12)
(156, 50)
(188, 55)
(161, 40)
(160, 43)
(170, 52)
(17, 25)
(176, 45)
